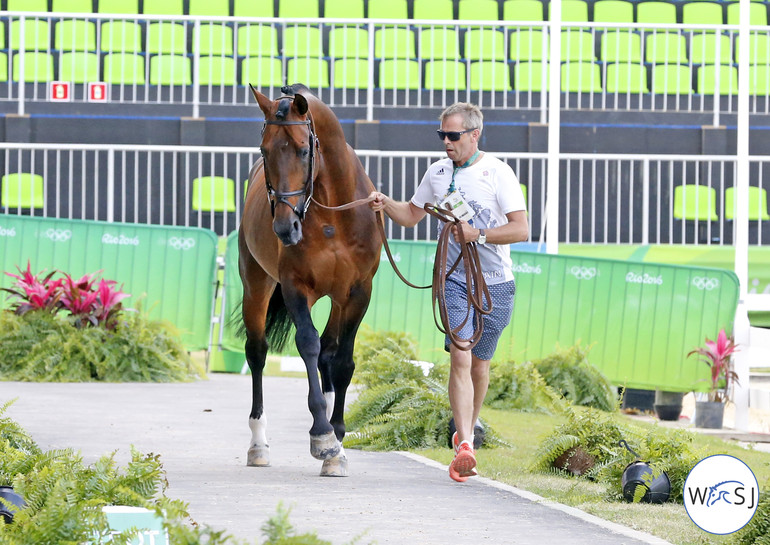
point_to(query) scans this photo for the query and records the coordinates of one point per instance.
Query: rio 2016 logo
(721, 494)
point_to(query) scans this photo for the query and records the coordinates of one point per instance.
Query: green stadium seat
(665, 47)
(348, 42)
(399, 74)
(527, 45)
(37, 35)
(394, 43)
(432, 9)
(577, 45)
(757, 204)
(3, 67)
(253, 8)
(438, 43)
(613, 11)
(523, 10)
(703, 48)
(258, 40)
(387, 9)
(302, 41)
(215, 39)
(574, 11)
(163, 7)
(213, 194)
(581, 77)
(124, 68)
(655, 12)
(2, 35)
(79, 67)
(314, 73)
(121, 36)
(72, 6)
(217, 8)
(75, 35)
(484, 44)
(697, 12)
(759, 80)
(351, 74)
(261, 72)
(344, 9)
(757, 13)
(38, 67)
(528, 76)
(22, 190)
(168, 69)
(706, 80)
(118, 6)
(27, 5)
(166, 37)
(217, 71)
(621, 46)
(299, 8)
(524, 191)
(671, 79)
(490, 76)
(759, 48)
(478, 10)
(440, 75)
(625, 78)
(695, 203)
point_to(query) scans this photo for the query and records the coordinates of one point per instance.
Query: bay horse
(295, 250)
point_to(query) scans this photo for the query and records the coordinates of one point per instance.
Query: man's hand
(379, 201)
(470, 233)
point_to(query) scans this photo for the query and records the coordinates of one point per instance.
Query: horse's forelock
(283, 108)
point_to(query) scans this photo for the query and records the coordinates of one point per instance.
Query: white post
(554, 122)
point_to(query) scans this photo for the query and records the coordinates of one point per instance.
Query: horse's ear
(300, 104)
(265, 104)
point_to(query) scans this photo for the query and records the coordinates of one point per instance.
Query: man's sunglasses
(453, 136)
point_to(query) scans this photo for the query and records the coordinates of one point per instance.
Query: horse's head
(288, 152)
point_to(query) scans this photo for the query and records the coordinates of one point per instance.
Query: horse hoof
(258, 456)
(335, 467)
(323, 447)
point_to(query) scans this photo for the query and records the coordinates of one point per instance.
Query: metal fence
(378, 62)
(604, 198)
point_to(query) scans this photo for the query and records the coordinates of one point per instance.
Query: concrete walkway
(200, 430)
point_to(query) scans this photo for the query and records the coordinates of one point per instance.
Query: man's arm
(516, 230)
(404, 213)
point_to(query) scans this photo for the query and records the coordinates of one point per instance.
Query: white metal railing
(372, 63)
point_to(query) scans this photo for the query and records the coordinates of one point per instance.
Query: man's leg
(480, 379)
(462, 398)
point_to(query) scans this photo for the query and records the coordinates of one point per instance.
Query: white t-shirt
(492, 190)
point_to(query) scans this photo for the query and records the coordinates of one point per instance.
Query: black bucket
(636, 474)
(7, 493)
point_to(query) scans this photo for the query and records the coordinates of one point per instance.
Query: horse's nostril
(296, 225)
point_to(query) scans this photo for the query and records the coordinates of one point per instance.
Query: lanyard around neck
(466, 164)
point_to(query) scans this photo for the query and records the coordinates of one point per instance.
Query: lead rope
(476, 287)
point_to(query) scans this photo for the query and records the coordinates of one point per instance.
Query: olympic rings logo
(703, 283)
(583, 273)
(58, 235)
(179, 243)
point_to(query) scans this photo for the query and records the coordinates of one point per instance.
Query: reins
(476, 287)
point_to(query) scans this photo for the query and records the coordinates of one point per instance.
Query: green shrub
(519, 386)
(41, 346)
(385, 357)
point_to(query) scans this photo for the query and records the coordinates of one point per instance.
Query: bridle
(277, 197)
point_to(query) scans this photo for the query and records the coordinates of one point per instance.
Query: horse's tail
(278, 323)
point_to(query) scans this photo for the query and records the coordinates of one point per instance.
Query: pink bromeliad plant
(89, 300)
(717, 355)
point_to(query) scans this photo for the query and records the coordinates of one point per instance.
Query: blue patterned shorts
(494, 323)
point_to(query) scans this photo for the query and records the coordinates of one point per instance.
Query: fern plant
(519, 386)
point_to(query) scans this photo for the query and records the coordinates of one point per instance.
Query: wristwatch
(482, 239)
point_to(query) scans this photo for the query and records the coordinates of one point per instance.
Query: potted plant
(718, 356)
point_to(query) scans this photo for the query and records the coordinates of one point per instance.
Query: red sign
(59, 91)
(97, 91)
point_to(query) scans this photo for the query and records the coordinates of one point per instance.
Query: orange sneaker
(464, 464)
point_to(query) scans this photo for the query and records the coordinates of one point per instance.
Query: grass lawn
(525, 431)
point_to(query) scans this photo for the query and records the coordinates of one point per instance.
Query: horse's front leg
(323, 441)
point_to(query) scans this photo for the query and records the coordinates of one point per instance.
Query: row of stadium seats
(602, 11)
(389, 43)
(585, 77)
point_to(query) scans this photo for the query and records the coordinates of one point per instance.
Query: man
(485, 193)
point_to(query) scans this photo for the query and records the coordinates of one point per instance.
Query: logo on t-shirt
(440, 171)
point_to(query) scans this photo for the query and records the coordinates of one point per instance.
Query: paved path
(200, 429)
